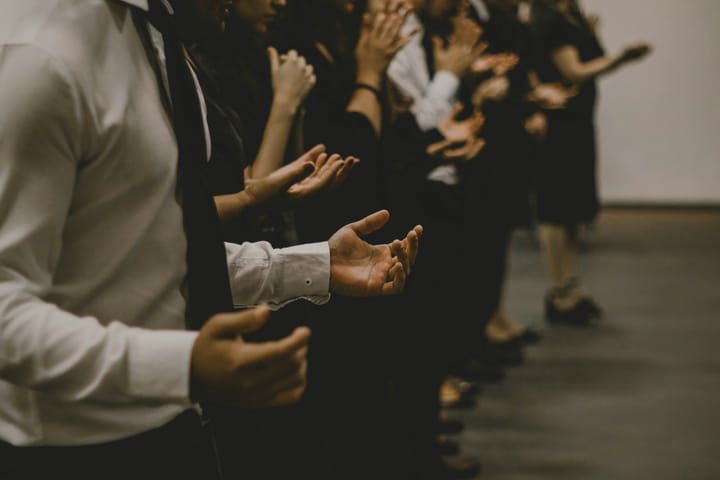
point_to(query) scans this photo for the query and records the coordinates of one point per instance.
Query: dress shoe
(479, 371)
(446, 446)
(529, 336)
(457, 468)
(584, 313)
(504, 354)
(449, 426)
(463, 401)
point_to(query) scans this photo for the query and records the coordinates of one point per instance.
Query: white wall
(659, 119)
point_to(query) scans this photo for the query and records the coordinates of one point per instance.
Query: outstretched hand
(360, 269)
(227, 370)
(292, 78)
(308, 175)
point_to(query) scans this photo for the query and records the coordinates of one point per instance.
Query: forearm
(232, 207)
(366, 101)
(577, 72)
(76, 358)
(271, 154)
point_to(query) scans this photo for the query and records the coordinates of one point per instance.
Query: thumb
(294, 172)
(274, 59)
(457, 108)
(371, 223)
(232, 325)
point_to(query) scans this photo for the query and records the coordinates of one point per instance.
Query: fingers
(395, 280)
(264, 354)
(232, 325)
(344, 172)
(275, 372)
(399, 250)
(313, 154)
(437, 43)
(412, 244)
(371, 223)
(274, 59)
(479, 49)
(437, 147)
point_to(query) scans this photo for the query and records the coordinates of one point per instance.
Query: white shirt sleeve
(432, 99)
(43, 347)
(261, 273)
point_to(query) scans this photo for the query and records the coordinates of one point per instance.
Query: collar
(141, 4)
(481, 9)
(144, 4)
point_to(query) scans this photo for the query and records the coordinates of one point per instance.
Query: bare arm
(292, 80)
(567, 61)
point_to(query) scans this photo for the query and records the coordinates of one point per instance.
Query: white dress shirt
(92, 250)
(431, 98)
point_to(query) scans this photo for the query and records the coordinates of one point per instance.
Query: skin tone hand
(494, 89)
(455, 130)
(552, 95)
(635, 52)
(461, 137)
(536, 125)
(462, 49)
(358, 268)
(498, 63)
(379, 41)
(292, 78)
(462, 152)
(302, 178)
(227, 370)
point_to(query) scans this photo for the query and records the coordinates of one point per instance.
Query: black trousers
(181, 449)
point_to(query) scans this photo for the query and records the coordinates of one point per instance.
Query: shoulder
(71, 32)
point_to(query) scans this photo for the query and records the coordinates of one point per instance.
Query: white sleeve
(432, 99)
(41, 346)
(260, 273)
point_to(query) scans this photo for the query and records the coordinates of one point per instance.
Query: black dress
(566, 185)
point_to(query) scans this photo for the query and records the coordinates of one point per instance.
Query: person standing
(569, 51)
(109, 250)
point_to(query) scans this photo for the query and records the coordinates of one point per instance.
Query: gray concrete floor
(635, 398)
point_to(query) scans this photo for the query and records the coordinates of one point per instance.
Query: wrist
(285, 105)
(373, 79)
(370, 88)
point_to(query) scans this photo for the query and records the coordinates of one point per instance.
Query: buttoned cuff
(159, 365)
(444, 86)
(306, 272)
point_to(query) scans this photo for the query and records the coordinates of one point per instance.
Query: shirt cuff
(306, 270)
(444, 86)
(159, 365)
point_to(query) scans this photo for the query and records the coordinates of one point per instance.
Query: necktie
(208, 288)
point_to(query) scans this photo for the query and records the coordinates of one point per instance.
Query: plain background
(659, 119)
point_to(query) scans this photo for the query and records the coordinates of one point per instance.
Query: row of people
(437, 110)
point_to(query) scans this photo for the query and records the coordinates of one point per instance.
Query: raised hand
(494, 89)
(360, 269)
(536, 125)
(227, 370)
(380, 40)
(292, 78)
(457, 152)
(635, 52)
(455, 130)
(552, 95)
(462, 49)
(308, 175)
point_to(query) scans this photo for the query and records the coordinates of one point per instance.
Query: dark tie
(208, 288)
